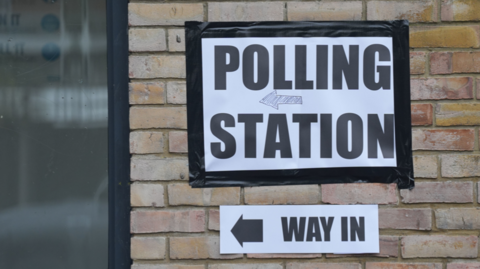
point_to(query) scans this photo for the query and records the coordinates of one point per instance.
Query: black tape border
(398, 30)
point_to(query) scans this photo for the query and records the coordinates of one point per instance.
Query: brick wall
(434, 226)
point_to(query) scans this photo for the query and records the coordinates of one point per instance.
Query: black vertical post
(118, 136)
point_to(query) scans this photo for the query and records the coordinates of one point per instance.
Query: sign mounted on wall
(337, 229)
(298, 103)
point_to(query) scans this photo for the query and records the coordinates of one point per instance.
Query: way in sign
(299, 229)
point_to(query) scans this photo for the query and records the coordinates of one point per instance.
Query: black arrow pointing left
(249, 231)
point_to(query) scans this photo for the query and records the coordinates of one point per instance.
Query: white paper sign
(293, 103)
(299, 229)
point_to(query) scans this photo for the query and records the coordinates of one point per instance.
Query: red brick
(281, 195)
(405, 219)
(198, 248)
(360, 193)
(284, 256)
(190, 221)
(440, 63)
(463, 265)
(158, 117)
(441, 88)
(478, 88)
(319, 265)
(439, 246)
(466, 62)
(214, 219)
(397, 265)
(422, 114)
(388, 248)
(147, 248)
(178, 142)
(417, 63)
(443, 139)
(439, 192)
(460, 165)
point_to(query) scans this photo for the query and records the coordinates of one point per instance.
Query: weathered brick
(142, 142)
(280, 195)
(183, 194)
(189, 221)
(284, 256)
(147, 40)
(478, 192)
(359, 193)
(245, 11)
(422, 114)
(167, 266)
(440, 63)
(153, 168)
(198, 248)
(466, 62)
(214, 219)
(146, 195)
(425, 166)
(445, 37)
(178, 142)
(158, 117)
(397, 265)
(458, 218)
(460, 165)
(146, 93)
(424, 246)
(454, 114)
(439, 192)
(388, 248)
(176, 39)
(157, 66)
(417, 63)
(163, 14)
(414, 11)
(246, 266)
(147, 248)
(443, 139)
(460, 10)
(441, 88)
(319, 265)
(326, 11)
(478, 88)
(176, 93)
(463, 265)
(405, 219)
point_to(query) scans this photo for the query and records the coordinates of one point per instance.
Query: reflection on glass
(53, 134)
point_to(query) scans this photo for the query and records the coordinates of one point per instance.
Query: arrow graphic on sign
(248, 231)
(274, 100)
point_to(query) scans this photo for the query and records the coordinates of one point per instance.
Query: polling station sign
(298, 103)
(337, 229)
